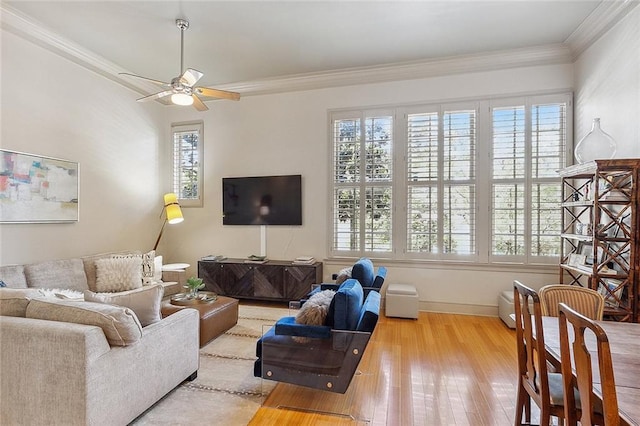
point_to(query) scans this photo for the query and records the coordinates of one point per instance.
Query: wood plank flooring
(441, 369)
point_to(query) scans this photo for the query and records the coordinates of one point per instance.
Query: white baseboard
(455, 308)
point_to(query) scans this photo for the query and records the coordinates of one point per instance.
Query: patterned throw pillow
(147, 262)
(118, 274)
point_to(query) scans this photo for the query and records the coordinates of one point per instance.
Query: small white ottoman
(506, 309)
(401, 301)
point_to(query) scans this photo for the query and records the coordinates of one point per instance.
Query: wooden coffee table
(215, 317)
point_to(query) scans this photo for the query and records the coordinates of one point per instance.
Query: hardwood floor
(442, 369)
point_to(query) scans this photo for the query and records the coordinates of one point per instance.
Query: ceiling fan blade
(216, 93)
(155, 96)
(198, 104)
(161, 83)
(190, 77)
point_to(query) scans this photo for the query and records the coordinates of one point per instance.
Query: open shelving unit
(600, 232)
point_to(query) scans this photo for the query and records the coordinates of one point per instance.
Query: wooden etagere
(600, 232)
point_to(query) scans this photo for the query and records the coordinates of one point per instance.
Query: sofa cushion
(344, 311)
(14, 301)
(13, 276)
(120, 325)
(362, 271)
(89, 263)
(144, 301)
(118, 274)
(65, 273)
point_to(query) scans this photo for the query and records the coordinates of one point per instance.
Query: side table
(215, 317)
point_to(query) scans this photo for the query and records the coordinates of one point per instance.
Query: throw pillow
(146, 262)
(120, 325)
(314, 311)
(118, 274)
(157, 269)
(148, 267)
(343, 275)
(144, 301)
(2, 284)
(14, 301)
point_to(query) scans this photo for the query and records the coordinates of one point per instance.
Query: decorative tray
(184, 299)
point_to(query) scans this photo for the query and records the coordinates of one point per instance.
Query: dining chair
(586, 301)
(535, 382)
(593, 411)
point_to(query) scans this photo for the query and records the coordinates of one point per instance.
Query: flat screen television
(262, 200)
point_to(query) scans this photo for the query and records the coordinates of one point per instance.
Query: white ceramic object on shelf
(596, 145)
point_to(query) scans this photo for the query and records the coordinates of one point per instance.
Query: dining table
(624, 343)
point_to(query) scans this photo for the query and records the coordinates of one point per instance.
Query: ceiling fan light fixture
(182, 99)
(182, 88)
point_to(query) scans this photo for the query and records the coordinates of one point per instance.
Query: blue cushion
(363, 272)
(288, 326)
(370, 312)
(2, 284)
(344, 311)
(382, 274)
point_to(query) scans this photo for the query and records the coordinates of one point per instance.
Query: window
(362, 194)
(471, 181)
(529, 145)
(440, 182)
(187, 163)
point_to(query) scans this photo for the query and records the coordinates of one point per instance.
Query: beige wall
(53, 107)
(607, 81)
(288, 133)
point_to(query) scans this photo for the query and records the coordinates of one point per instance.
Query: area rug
(225, 391)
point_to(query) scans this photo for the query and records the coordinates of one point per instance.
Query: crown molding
(603, 18)
(606, 14)
(489, 61)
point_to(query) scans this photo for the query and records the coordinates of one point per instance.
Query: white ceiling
(234, 42)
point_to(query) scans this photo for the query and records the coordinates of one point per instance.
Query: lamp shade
(172, 209)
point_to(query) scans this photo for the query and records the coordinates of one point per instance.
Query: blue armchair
(329, 354)
(363, 271)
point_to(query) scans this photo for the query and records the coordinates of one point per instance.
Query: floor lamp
(172, 213)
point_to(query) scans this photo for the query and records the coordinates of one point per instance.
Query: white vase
(596, 145)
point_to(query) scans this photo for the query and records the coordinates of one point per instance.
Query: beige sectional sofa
(74, 362)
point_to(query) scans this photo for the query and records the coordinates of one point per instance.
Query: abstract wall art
(34, 188)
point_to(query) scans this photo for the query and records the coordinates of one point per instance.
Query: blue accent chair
(329, 355)
(363, 271)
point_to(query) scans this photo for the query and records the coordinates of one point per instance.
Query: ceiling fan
(181, 89)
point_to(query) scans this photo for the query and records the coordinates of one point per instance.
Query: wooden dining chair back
(588, 302)
(577, 353)
(535, 382)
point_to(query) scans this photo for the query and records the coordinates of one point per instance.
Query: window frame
(195, 127)
(483, 176)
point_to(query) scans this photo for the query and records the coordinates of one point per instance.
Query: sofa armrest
(380, 276)
(44, 367)
(287, 326)
(174, 281)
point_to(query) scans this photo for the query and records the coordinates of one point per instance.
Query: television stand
(277, 280)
